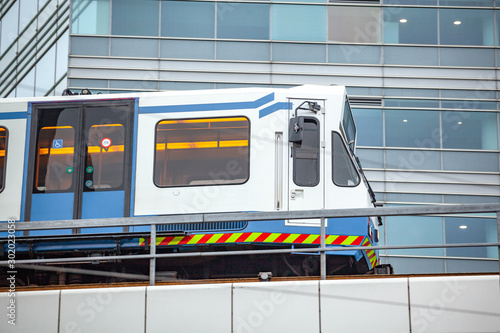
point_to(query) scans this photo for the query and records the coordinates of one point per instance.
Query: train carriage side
(187, 152)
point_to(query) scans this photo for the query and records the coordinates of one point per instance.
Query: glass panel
(299, 22)
(62, 55)
(354, 24)
(104, 136)
(369, 123)
(470, 130)
(466, 27)
(415, 230)
(469, 104)
(104, 162)
(403, 197)
(90, 46)
(469, 161)
(185, 86)
(344, 171)
(306, 155)
(27, 86)
(9, 26)
(90, 17)
(244, 51)
(134, 47)
(407, 128)
(403, 55)
(471, 230)
(187, 49)
(349, 126)
(208, 151)
(3, 154)
(371, 158)
(55, 150)
(475, 94)
(27, 10)
(243, 20)
(416, 103)
(410, 2)
(354, 54)
(187, 19)
(468, 266)
(364, 91)
(411, 92)
(416, 265)
(467, 57)
(410, 25)
(462, 199)
(135, 18)
(298, 52)
(413, 159)
(45, 72)
(468, 3)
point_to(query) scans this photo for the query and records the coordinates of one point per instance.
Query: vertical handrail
(323, 253)
(152, 251)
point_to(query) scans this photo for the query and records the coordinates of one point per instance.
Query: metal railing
(322, 214)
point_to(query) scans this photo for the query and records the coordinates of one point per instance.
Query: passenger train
(84, 156)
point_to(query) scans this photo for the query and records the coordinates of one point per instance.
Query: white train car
(147, 154)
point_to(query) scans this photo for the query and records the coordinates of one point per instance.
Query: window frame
(4, 166)
(199, 185)
(318, 154)
(350, 160)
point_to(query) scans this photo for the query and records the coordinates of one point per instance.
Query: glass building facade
(422, 77)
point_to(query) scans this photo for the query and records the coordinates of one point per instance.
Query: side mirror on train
(296, 129)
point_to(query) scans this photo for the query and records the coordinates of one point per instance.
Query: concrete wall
(416, 304)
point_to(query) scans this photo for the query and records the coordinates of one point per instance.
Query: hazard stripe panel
(257, 237)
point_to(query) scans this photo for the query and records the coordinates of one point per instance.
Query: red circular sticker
(106, 142)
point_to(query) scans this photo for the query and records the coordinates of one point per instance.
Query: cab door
(306, 158)
(80, 161)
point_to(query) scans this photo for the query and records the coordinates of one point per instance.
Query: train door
(306, 158)
(80, 161)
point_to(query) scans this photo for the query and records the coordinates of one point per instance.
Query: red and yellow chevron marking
(256, 237)
(372, 256)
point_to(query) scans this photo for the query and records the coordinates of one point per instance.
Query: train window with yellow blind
(3, 156)
(204, 151)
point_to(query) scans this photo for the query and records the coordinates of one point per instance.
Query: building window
(412, 128)
(3, 156)
(471, 230)
(191, 19)
(470, 130)
(354, 24)
(410, 25)
(466, 27)
(207, 151)
(135, 18)
(370, 124)
(243, 20)
(306, 155)
(344, 171)
(299, 23)
(90, 17)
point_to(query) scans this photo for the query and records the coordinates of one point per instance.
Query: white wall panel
(455, 304)
(35, 311)
(365, 305)
(185, 308)
(276, 307)
(103, 310)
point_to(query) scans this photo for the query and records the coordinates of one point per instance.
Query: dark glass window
(349, 126)
(306, 155)
(3, 155)
(208, 151)
(188, 19)
(243, 20)
(344, 171)
(135, 18)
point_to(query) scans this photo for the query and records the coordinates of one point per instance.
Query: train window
(306, 155)
(344, 171)
(105, 155)
(3, 155)
(54, 156)
(207, 151)
(349, 126)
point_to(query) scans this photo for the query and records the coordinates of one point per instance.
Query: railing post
(323, 253)
(152, 261)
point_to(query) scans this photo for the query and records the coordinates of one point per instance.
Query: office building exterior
(422, 77)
